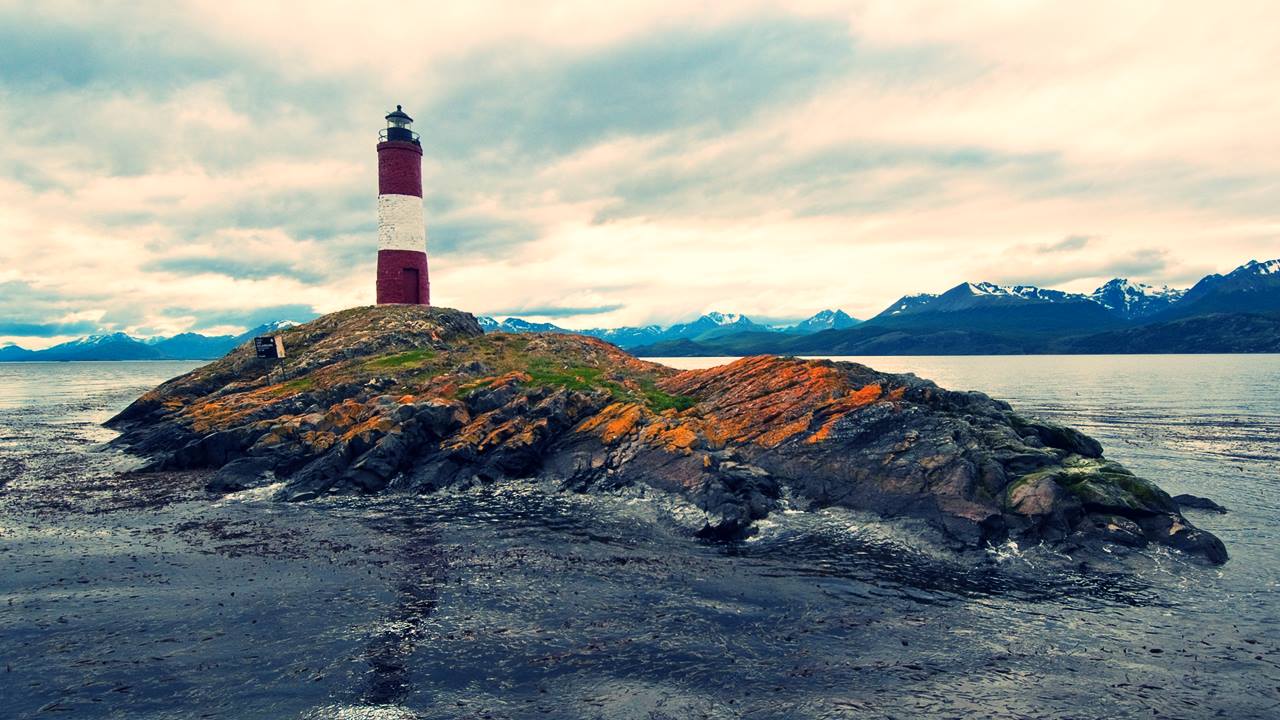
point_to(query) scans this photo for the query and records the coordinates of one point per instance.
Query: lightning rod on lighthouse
(402, 228)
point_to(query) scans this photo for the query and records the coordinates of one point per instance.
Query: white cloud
(959, 138)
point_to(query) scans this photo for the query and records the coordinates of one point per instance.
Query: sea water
(139, 596)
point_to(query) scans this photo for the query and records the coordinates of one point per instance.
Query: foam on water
(262, 493)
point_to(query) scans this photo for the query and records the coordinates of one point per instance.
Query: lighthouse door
(410, 291)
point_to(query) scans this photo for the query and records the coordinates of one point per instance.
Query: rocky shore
(416, 399)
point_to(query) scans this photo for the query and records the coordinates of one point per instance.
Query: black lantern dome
(399, 126)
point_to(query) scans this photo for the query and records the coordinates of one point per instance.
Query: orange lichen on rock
(854, 400)
(345, 414)
(672, 438)
(781, 433)
(488, 431)
(440, 387)
(768, 400)
(515, 433)
(318, 440)
(515, 376)
(864, 395)
(228, 411)
(775, 402)
(614, 421)
(376, 425)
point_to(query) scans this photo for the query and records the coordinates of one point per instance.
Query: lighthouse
(402, 230)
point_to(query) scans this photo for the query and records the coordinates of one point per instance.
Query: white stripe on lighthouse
(401, 223)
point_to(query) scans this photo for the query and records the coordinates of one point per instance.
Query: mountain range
(1231, 313)
(1235, 312)
(120, 346)
(710, 326)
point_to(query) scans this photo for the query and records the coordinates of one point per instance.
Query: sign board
(269, 346)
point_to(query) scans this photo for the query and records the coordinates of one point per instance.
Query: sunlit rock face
(412, 398)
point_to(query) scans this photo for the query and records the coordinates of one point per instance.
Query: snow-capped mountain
(712, 324)
(1024, 292)
(626, 336)
(1132, 300)
(1121, 297)
(1252, 287)
(824, 320)
(720, 318)
(524, 326)
(990, 308)
(618, 335)
(96, 340)
(279, 325)
(971, 296)
(113, 346)
(517, 325)
(121, 346)
(1249, 277)
(909, 304)
(266, 329)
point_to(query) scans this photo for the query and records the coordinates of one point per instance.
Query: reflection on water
(419, 571)
(138, 597)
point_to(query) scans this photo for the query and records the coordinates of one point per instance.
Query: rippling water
(126, 596)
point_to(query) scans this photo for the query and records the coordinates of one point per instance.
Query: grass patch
(659, 401)
(584, 378)
(290, 387)
(402, 361)
(502, 353)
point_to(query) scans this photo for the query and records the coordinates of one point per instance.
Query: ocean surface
(142, 597)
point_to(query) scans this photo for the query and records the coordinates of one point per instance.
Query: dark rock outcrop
(411, 398)
(1198, 503)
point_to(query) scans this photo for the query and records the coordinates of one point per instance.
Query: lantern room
(399, 127)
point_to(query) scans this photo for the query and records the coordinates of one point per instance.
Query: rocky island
(416, 399)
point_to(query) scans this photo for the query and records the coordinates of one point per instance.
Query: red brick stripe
(399, 168)
(391, 277)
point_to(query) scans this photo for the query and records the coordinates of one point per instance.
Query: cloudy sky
(209, 166)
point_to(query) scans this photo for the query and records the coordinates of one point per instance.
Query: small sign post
(269, 347)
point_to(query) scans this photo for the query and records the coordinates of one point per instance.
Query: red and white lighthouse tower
(402, 229)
